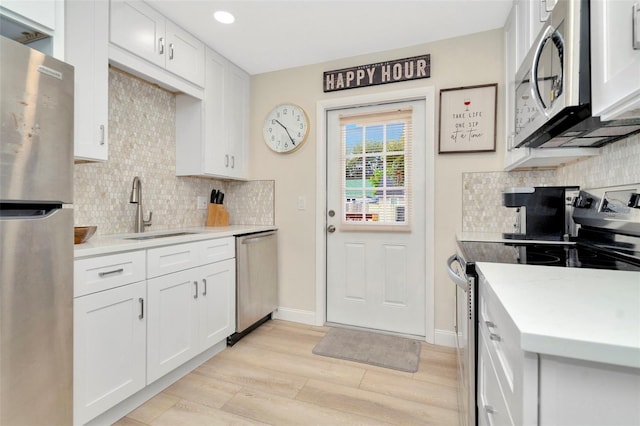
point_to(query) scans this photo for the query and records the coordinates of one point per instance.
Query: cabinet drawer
(492, 407)
(218, 249)
(503, 343)
(169, 259)
(104, 272)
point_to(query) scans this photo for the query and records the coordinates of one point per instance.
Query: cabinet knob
(490, 324)
(489, 409)
(495, 337)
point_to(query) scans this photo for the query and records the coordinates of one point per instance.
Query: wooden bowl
(82, 233)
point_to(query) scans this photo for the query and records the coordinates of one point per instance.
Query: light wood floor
(271, 377)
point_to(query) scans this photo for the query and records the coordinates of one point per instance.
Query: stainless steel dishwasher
(256, 281)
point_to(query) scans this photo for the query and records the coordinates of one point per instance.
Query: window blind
(376, 166)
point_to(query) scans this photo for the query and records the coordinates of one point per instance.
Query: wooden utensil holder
(217, 215)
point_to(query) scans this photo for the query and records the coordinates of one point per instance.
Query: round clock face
(285, 128)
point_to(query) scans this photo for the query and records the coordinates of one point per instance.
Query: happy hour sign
(468, 119)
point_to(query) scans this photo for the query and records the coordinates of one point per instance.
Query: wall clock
(286, 128)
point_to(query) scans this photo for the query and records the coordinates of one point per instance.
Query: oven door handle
(460, 281)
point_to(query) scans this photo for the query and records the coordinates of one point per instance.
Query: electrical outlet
(302, 202)
(201, 203)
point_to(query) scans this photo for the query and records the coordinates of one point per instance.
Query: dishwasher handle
(460, 281)
(261, 236)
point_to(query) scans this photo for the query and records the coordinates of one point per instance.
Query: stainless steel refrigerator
(36, 238)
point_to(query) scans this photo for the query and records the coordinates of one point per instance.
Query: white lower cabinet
(109, 349)
(516, 387)
(189, 311)
(132, 327)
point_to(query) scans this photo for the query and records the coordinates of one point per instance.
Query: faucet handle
(147, 222)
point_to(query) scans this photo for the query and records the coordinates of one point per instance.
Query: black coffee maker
(542, 212)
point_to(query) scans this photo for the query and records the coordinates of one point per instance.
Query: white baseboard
(445, 338)
(295, 315)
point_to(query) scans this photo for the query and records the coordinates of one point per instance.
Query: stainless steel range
(608, 237)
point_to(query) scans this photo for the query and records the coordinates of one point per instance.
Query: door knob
(331, 229)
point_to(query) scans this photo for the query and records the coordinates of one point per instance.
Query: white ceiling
(274, 35)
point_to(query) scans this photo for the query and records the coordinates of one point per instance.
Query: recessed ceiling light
(224, 17)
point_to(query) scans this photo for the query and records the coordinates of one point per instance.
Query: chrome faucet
(136, 198)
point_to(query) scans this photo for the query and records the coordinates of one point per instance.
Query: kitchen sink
(154, 236)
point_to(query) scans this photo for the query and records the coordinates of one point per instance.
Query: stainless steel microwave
(553, 87)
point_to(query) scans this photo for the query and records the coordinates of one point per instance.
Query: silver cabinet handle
(489, 409)
(141, 300)
(204, 281)
(171, 51)
(233, 161)
(107, 273)
(226, 160)
(490, 324)
(195, 296)
(495, 337)
(635, 23)
(102, 134)
(161, 46)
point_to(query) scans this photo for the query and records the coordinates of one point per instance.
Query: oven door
(465, 340)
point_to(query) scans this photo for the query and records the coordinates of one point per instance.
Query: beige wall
(463, 61)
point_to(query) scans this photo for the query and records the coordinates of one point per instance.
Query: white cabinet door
(172, 335)
(185, 54)
(214, 119)
(217, 302)
(109, 349)
(615, 58)
(87, 49)
(41, 12)
(139, 29)
(212, 135)
(236, 119)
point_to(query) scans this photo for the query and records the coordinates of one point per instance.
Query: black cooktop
(563, 255)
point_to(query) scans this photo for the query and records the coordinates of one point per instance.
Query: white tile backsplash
(142, 143)
(482, 210)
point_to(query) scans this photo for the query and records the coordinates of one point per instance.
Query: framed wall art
(468, 119)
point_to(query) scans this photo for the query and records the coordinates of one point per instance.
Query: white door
(376, 217)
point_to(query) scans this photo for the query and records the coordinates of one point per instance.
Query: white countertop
(587, 314)
(100, 245)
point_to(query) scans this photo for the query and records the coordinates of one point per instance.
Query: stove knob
(634, 201)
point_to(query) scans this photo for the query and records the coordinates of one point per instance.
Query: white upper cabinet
(87, 49)
(42, 12)
(184, 54)
(615, 58)
(212, 135)
(46, 17)
(142, 31)
(139, 29)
